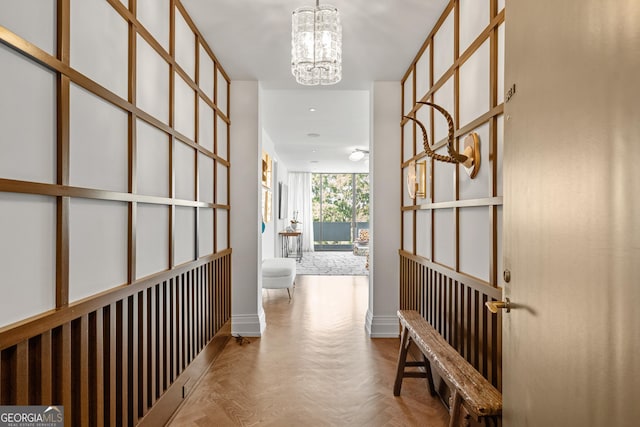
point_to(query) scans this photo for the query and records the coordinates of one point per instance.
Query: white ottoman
(279, 273)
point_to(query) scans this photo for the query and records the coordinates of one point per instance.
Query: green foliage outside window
(334, 201)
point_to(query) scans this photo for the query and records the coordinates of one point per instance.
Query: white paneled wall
(444, 237)
(222, 231)
(28, 127)
(97, 27)
(184, 165)
(184, 104)
(154, 15)
(117, 150)
(205, 231)
(185, 237)
(222, 93)
(39, 28)
(206, 72)
(185, 46)
(97, 143)
(153, 160)
(205, 125)
(152, 254)
(152, 83)
(205, 177)
(460, 219)
(222, 132)
(28, 230)
(97, 246)
(443, 48)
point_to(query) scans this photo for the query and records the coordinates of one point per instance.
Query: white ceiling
(252, 41)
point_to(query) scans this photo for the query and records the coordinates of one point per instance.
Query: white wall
(381, 318)
(247, 318)
(270, 242)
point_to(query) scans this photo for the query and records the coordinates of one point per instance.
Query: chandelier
(316, 45)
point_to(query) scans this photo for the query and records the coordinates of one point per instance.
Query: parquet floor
(313, 366)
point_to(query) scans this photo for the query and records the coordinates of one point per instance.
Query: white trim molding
(382, 326)
(248, 325)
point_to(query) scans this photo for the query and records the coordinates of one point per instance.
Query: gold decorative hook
(470, 159)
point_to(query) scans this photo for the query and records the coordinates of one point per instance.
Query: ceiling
(252, 41)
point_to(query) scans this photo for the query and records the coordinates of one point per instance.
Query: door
(572, 213)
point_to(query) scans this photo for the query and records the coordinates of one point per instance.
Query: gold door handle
(494, 306)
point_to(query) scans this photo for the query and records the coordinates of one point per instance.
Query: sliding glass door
(340, 209)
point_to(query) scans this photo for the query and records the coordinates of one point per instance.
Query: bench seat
(468, 387)
(279, 273)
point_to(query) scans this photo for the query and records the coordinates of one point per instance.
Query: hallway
(314, 366)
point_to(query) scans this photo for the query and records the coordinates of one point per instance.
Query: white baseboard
(248, 325)
(382, 326)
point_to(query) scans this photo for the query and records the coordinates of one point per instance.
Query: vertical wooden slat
(122, 365)
(22, 373)
(133, 359)
(4, 382)
(80, 372)
(192, 315)
(478, 309)
(62, 370)
(111, 374)
(97, 367)
(151, 345)
(180, 305)
(160, 314)
(197, 314)
(168, 319)
(46, 373)
(498, 351)
(174, 328)
(186, 314)
(468, 323)
(482, 334)
(143, 349)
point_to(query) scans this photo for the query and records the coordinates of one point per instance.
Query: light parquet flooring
(313, 366)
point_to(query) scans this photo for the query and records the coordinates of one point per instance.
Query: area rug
(332, 264)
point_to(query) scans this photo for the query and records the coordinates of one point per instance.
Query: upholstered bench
(279, 273)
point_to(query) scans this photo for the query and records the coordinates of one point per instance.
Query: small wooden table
(287, 251)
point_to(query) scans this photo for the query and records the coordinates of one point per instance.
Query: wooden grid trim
(65, 75)
(111, 364)
(454, 305)
(490, 117)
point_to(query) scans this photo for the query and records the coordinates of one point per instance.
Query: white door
(572, 213)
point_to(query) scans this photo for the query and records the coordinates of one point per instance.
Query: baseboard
(382, 326)
(248, 325)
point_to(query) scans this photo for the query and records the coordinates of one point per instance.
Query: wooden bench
(481, 400)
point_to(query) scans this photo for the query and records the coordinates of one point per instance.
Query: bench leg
(402, 360)
(456, 403)
(427, 367)
(457, 419)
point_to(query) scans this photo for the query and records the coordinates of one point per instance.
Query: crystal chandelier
(316, 45)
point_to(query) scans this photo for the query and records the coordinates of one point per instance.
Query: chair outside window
(361, 245)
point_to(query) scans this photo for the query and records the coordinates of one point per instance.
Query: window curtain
(299, 201)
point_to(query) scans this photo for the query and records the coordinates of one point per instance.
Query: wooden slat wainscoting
(126, 357)
(453, 304)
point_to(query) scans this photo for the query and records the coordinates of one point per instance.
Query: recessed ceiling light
(313, 110)
(313, 135)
